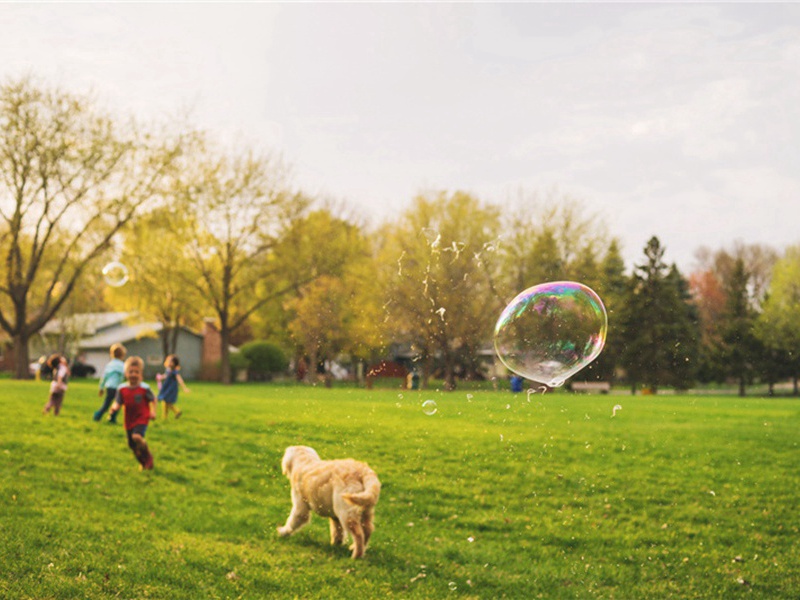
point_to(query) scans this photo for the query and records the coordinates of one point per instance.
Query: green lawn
(493, 496)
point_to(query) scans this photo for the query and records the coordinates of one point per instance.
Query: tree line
(209, 229)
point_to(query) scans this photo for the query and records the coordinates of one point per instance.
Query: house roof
(85, 323)
(100, 330)
(126, 333)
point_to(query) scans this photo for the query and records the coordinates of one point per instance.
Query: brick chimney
(212, 351)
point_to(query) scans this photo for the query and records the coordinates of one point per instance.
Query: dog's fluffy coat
(345, 491)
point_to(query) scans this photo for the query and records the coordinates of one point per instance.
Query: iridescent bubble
(551, 331)
(429, 407)
(115, 274)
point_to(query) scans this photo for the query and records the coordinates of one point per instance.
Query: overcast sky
(675, 120)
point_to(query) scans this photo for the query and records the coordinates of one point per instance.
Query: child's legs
(137, 443)
(54, 402)
(59, 399)
(111, 393)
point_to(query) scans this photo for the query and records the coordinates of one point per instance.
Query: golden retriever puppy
(345, 491)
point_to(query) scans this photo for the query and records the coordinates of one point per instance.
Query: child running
(140, 408)
(58, 387)
(113, 376)
(169, 386)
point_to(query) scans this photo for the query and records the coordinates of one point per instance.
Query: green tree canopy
(322, 246)
(778, 326)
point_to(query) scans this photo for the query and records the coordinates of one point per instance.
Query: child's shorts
(140, 429)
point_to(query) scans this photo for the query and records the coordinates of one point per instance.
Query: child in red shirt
(140, 408)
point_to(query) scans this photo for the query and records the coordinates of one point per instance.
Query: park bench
(591, 386)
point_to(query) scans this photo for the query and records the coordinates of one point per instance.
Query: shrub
(265, 359)
(239, 361)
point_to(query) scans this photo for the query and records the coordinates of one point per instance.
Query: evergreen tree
(685, 351)
(611, 287)
(659, 326)
(740, 346)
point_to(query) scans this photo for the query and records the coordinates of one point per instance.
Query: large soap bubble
(551, 331)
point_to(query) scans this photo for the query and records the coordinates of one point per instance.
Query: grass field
(493, 496)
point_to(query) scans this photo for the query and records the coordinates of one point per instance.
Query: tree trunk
(428, 372)
(164, 343)
(225, 353)
(311, 373)
(449, 373)
(173, 342)
(21, 358)
(741, 386)
(794, 381)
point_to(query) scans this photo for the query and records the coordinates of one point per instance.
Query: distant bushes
(262, 360)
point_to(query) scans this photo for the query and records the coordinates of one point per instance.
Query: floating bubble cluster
(551, 331)
(115, 274)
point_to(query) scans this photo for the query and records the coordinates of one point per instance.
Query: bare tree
(241, 204)
(437, 293)
(70, 179)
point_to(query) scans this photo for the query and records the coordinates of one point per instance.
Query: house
(90, 335)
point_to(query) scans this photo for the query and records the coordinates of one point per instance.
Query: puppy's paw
(283, 531)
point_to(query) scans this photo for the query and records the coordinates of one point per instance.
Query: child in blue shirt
(169, 386)
(113, 377)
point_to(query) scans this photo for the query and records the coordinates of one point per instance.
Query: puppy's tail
(368, 497)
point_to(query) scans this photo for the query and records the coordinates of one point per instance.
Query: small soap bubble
(615, 409)
(429, 407)
(115, 274)
(452, 586)
(551, 331)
